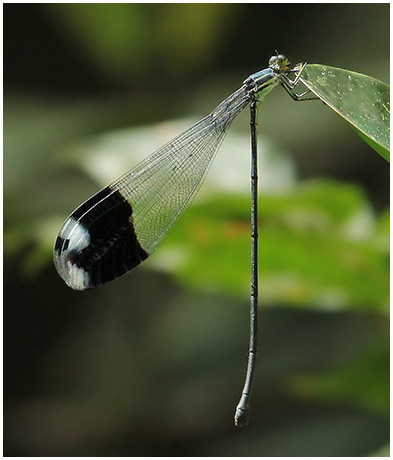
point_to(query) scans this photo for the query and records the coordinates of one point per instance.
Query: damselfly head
(279, 63)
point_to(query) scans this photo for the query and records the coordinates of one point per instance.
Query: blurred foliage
(152, 364)
(318, 247)
(364, 383)
(361, 100)
(111, 37)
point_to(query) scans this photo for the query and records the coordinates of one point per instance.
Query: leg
(298, 71)
(299, 97)
(290, 85)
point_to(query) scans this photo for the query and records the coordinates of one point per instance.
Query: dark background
(152, 365)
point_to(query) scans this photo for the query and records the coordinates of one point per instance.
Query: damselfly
(122, 225)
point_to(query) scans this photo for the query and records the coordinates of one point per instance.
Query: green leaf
(361, 100)
(377, 147)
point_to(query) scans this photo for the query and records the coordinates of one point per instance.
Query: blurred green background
(153, 364)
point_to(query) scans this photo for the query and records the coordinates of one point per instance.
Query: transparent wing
(160, 188)
(123, 224)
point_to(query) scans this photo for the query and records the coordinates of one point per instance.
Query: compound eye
(273, 60)
(279, 63)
